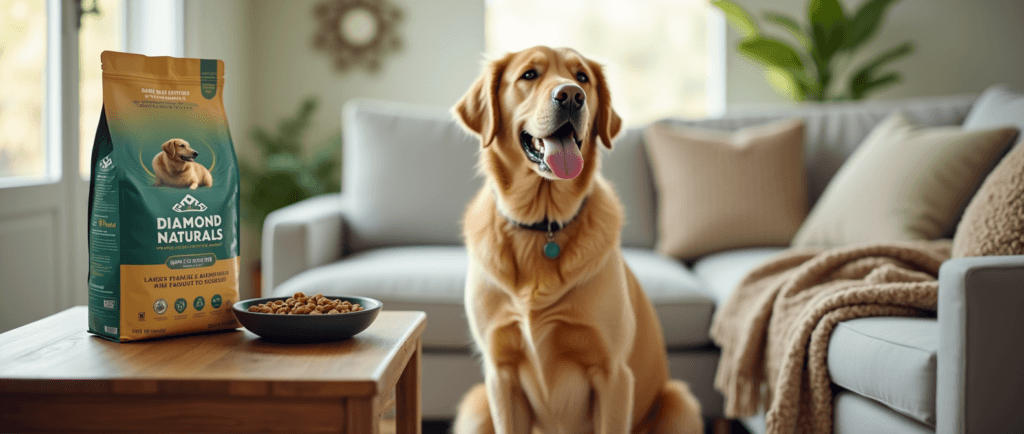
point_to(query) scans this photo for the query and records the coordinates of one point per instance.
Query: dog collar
(551, 248)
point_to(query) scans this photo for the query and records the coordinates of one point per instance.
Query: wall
(443, 46)
(271, 66)
(962, 46)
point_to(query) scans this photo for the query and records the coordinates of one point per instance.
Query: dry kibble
(301, 304)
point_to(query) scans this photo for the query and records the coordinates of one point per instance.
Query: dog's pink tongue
(563, 157)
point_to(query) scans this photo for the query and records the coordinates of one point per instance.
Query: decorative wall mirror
(358, 32)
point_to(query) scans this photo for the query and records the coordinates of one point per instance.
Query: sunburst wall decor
(358, 32)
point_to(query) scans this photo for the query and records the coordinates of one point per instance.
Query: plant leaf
(828, 27)
(771, 52)
(740, 19)
(886, 57)
(865, 78)
(791, 26)
(858, 89)
(785, 83)
(865, 22)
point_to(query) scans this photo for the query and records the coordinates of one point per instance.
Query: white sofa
(394, 234)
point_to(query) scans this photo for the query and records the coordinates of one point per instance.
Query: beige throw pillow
(994, 221)
(720, 191)
(902, 183)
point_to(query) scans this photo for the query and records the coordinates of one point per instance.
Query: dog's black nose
(569, 96)
(195, 154)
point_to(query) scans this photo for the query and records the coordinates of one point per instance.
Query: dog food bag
(163, 201)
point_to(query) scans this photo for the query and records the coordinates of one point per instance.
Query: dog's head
(543, 108)
(179, 150)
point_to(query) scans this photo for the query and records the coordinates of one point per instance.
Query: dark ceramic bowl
(307, 328)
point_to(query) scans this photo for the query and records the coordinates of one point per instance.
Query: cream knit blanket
(774, 329)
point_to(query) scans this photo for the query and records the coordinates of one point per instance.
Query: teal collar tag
(551, 248)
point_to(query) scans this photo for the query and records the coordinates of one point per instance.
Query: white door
(41, 268)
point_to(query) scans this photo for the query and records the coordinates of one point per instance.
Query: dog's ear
(168, 147)
(478, 110)
(607, 123)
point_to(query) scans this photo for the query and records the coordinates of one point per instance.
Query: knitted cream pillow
(904, 182)
(719, 190)
(994, 221)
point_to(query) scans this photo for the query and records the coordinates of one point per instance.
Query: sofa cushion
(855, 414)
(903, 183)
(997, 107)
(888, 359)
(719, 191)
(432, 279)
(834, 130)
(409, 172)
(627, 168)
(721, 272)
(683, 305)
(993, 223)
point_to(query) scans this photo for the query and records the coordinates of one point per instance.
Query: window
(660, 56)
(23, 49)
(30, 148)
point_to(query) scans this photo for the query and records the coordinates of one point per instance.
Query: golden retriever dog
(569, 341)
(175, 166)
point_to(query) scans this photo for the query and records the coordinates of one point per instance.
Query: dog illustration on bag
(175, 166)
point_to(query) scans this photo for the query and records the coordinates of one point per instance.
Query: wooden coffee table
(56, 377)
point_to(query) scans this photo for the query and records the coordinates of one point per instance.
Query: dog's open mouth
(184, 158)
(558, 152)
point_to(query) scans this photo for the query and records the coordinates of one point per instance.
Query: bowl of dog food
(302, 318)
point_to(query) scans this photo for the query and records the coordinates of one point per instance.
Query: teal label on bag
(208, 78)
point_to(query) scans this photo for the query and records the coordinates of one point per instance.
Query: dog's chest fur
(513, 257)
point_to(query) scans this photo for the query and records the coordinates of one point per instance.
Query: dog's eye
(529, 75)
(181, 145)
(581, 77)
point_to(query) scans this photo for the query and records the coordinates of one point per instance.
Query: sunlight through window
(23, 50)
(656, 52)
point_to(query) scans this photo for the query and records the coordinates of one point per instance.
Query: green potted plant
(808, 72)
(286, 173)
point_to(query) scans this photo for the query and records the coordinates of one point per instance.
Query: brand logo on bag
(194, 228)
(189, 204)
(106, 163)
